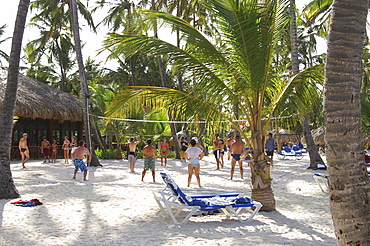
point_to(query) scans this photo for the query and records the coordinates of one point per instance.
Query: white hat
(195, 138)
(24, 134)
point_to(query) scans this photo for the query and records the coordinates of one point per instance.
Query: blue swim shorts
(80, 165)
(194, 164)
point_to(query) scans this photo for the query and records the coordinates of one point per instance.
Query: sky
(8, 13)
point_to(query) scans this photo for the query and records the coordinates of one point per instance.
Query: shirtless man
(78, 161)
(237, 148)
(23, 149)
(217, 151)
(45, 146)
(149, 154)
(132, 154)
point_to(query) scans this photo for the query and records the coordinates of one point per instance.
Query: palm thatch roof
(38, 100)
(318, 135)
(285, 136)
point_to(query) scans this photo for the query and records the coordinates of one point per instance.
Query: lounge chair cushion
(214, 201)
(242, 200)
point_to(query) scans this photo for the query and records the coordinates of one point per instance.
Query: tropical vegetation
(231, 67)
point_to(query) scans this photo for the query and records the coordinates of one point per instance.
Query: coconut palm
(54, 42)
(349, 183)
(318, 14)
(85, 95)
(315, 157)
(7, 187)
(236, 72)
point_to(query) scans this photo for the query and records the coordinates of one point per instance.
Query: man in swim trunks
(132, 153)
(78, 161)
(149, 154)
(237, 148)
(23, 149)
(164, 151)
(217, 151)
(45, 146)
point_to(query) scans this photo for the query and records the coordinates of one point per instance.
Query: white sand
(115, 208)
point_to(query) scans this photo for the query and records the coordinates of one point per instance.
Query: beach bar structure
(41, 110)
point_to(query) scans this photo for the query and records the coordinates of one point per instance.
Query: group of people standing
(46, 148)
(78, 153)
(234, 148)
(193, 154)
(149, 154)
(69, 148)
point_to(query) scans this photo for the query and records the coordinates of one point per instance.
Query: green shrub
(139, 154)
(172, 154)
(124, 155)
(106, 154)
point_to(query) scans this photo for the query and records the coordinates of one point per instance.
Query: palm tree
(55, 42)
(349, 184)
(315, 157)
(85, 95)
(235, 72)
(7, 187)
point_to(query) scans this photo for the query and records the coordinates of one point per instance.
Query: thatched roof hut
(38, 100)
(318, 135)
(285, 136)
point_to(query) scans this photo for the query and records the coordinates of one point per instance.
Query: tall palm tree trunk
(7, 187)
(83, 83)
(315, 157)
(349, 184)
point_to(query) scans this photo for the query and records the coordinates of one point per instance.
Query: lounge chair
(174, 205)
(171, 191)
(287, 152)
(322, 181)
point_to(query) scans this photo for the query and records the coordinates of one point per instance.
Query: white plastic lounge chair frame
(322, 181)
(173, 205)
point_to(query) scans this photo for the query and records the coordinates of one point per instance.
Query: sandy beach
(115, 208)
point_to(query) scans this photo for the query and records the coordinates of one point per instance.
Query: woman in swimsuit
(164, 151)
(65, 148)
(222, 147)
(194, 154)
(54, 148)
(73, 147)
